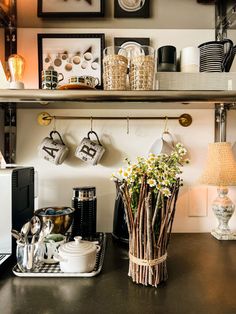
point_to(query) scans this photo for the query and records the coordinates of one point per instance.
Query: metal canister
(84, 202)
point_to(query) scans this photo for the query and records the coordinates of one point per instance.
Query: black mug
(166, 59)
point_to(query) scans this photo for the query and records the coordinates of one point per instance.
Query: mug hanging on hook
(53, 148)
(165, 144)
(89, 150)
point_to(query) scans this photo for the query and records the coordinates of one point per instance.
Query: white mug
(90, 151)
(190, 59)
(162, 146)
(53, 150)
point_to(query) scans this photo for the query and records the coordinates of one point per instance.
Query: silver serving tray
(53, 270)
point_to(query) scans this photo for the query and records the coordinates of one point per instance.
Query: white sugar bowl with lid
(77, 256)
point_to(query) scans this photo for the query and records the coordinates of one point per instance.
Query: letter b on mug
(90, 151)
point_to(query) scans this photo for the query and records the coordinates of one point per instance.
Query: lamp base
(223, 209)
(220, 236)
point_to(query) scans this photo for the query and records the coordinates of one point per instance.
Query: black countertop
(202, 280)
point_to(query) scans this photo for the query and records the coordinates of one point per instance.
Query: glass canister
(115, 65)
(142, 68)
(84, 202)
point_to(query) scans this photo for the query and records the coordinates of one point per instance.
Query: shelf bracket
(225, 17)
(220, 122)
(221, 21)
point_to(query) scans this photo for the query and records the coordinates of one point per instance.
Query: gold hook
(91, 124)
(127, 125)
(165, 126)
(54, 124)
(44, 118)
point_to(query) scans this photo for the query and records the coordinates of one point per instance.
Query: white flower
(120, 171)
(151, 182)
(113, 176)
(125, 174)
(166, 192)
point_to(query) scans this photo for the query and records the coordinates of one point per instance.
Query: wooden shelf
(57, 98)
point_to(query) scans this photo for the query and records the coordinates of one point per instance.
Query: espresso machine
(16, 204)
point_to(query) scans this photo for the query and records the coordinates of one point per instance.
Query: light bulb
(16, 65)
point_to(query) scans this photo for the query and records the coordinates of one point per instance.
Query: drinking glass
(115, 65)
(142, 68)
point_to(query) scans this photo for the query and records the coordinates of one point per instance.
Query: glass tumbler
(29, 256)
(115, 65)
(142, 68)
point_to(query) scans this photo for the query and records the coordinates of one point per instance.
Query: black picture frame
(70, 46)
(121, 11)
(97, 9)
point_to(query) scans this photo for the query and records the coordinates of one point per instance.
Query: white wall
(163, 14)
(56, 182)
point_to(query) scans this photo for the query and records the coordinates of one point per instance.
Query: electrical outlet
(197, 202)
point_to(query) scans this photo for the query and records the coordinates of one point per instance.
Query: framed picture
(131, 8)
(130, 42)
(71, 8)
(71, 55)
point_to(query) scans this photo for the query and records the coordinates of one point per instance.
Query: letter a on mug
(50, 151)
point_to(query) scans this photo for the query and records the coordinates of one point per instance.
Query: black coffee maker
(120, 229)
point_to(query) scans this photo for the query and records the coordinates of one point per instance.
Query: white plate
(133, 45)
(131, 5)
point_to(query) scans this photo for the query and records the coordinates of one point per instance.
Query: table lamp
(221, 171)
(16, 65)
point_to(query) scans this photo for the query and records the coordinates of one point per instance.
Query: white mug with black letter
(89, 150)
(53, 150)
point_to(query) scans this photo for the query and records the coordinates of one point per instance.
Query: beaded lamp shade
(221, 166)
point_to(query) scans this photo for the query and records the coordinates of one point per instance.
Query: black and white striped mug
(215, 55)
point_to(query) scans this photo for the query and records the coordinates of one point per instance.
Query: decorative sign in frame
(129, 42)
(72, 55)
(132, 8)
(71, 8)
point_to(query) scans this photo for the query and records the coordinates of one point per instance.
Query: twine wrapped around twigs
(149, 232)
(144, 262)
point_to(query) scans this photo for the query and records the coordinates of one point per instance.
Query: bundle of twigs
(149, 232)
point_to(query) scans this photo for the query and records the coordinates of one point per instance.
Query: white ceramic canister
(190, 59)
(77, 256)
